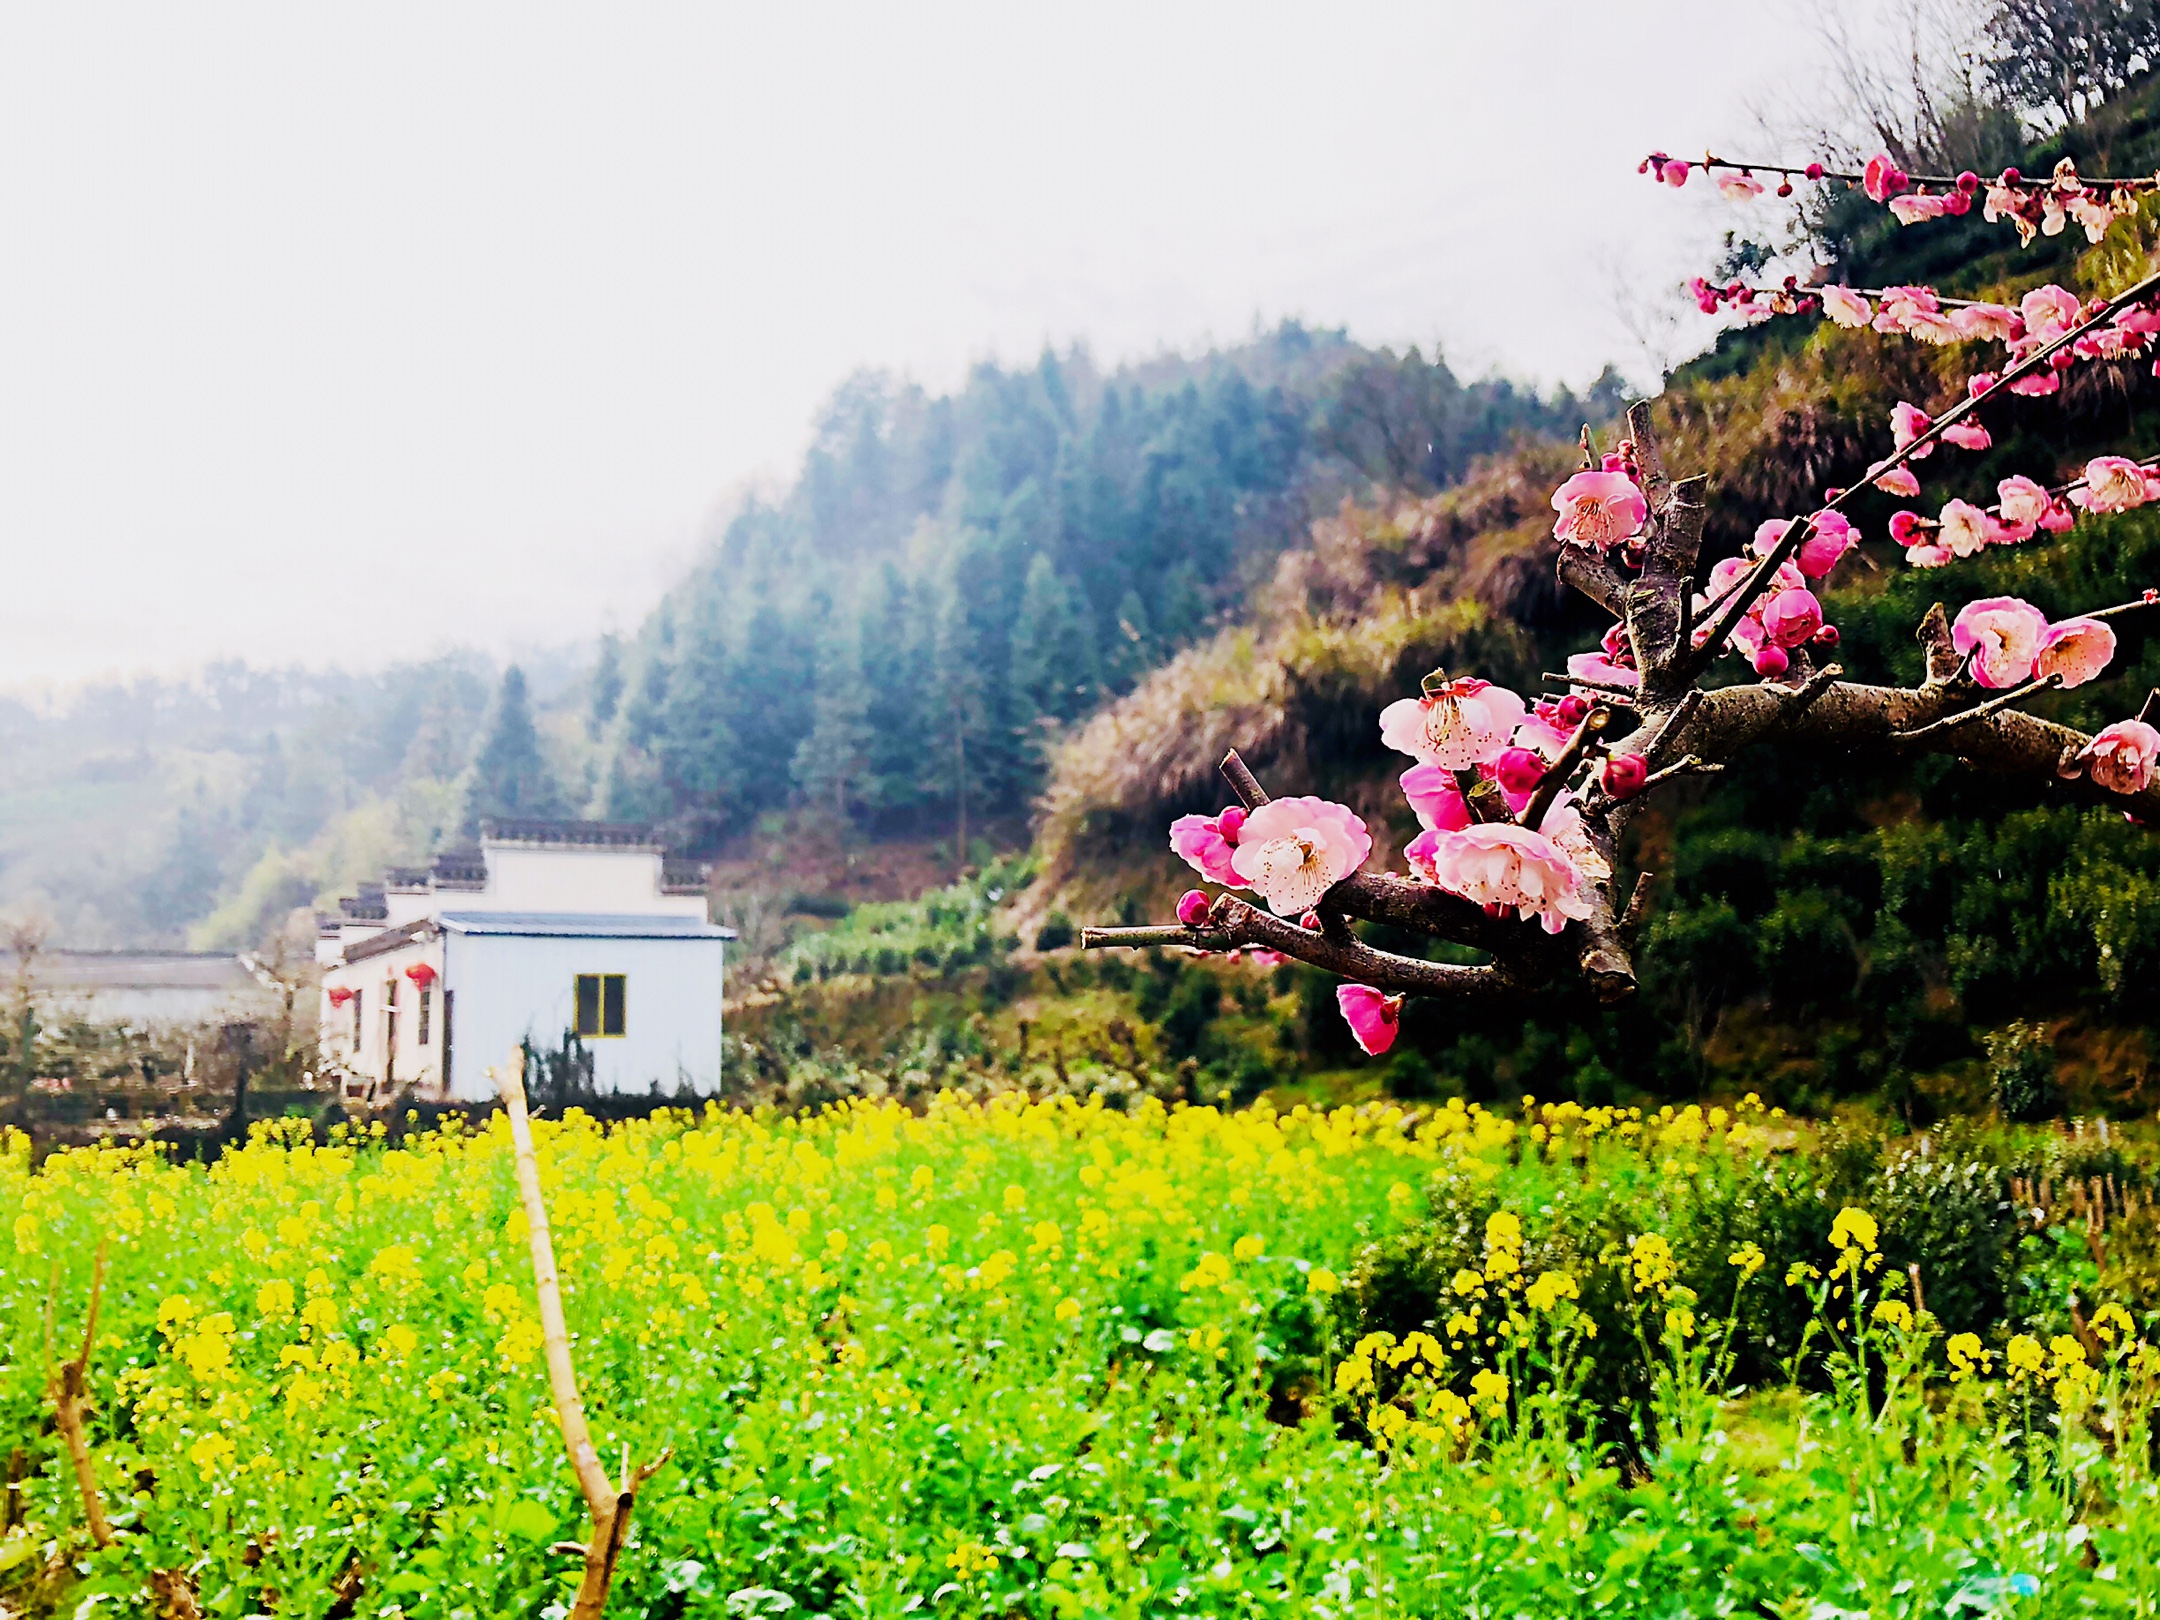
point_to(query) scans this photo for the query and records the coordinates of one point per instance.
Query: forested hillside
(897, 640)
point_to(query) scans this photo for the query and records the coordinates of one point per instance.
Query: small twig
(1557, 774)
(1622, 688)
(1979, 710)
(2152, 701)
(1242, 781)
(70, 1398)
(1096, 939)
(1685, 765)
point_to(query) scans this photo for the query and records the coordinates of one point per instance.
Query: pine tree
(695, 749)
(1053, 656)
(832, 762)
(605, 691)
(511, 778)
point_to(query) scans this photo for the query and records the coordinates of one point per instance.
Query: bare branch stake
(607, 1504)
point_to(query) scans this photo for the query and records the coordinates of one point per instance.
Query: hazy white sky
(341, 334)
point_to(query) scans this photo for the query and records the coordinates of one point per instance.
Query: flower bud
(1310, 922)
(1968, 182)
(2011, 177)
(1771, 662)
(1827, 637)
(1814, 171)
(1784, 188)
(1572, 709)
(1624, 775)
(1519, 770)
(1230, 823)
(1192, 908)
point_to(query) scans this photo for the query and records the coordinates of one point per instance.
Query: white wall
(562, 878)
(509, 987)
(415, 1064)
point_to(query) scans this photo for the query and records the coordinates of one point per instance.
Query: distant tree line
(894, 640)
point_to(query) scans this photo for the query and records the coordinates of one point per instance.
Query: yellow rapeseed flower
(1854, 1229)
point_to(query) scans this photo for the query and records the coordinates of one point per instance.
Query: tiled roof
(581, 925)
(577, 834)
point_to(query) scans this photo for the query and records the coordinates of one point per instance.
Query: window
(600, 998)
(426, 996)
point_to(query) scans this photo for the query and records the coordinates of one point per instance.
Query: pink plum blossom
(1502, 864)
(2076, 649)
(1995, 322)
(1597, 667)
(1906, 526)
(2002, 635)
(1200, 844)
(2023, 503)
(1907, 424)
(1768, 533)
(1771, 662)
(1846, 307)
(1292, 851)
(1898, 481)
(2036, 384)
(1916, 206)
(1436, 798)
(1902, 305)
(1967, 435)
(1543, 731)
(2049, 312)
(1929, 556)
(2121, 757)
(1673, 172)
(1826, 547)
(1373, 1018)
(1563, 824)
(1598, 509)
(1966, 529)
(1882, 177)
(1455, 725)
(1792, 617)
(1741, 187)
(2059, 517)
(2113, 484)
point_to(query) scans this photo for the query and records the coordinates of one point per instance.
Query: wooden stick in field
(71, 1399)
(607, 1502)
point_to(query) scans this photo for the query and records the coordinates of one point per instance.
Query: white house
(549, 927)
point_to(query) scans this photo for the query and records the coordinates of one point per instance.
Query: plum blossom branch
(2034, 206)
(1721, 628)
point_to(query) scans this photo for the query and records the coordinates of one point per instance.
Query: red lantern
(421, 974)
(339, 995)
